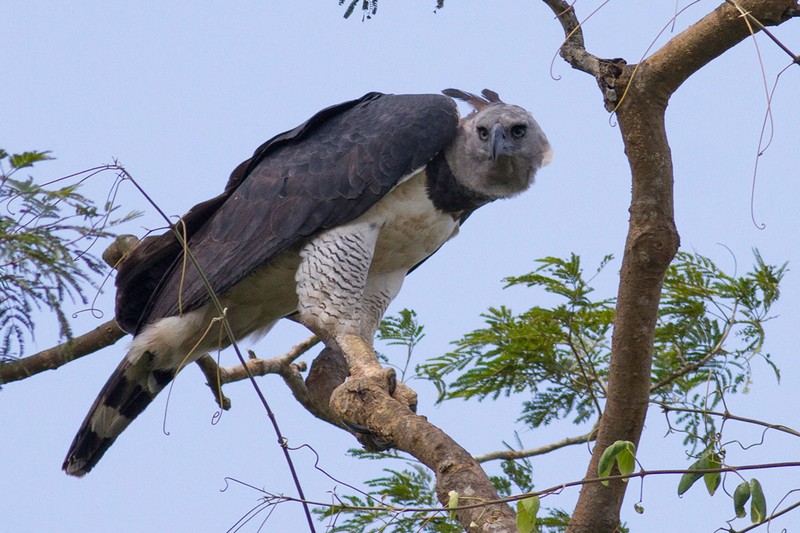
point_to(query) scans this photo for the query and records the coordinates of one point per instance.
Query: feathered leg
(343, 301)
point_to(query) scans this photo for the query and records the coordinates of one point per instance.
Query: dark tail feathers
(128, 391)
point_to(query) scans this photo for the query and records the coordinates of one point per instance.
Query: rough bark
(365, 402)
(639, 94)
(384, 421)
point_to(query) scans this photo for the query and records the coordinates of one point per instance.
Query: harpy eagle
(321, 225)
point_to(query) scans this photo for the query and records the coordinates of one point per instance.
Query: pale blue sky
(181, 92)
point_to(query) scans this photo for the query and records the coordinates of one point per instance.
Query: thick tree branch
(652, 236)
(57, 356)
(710, 37)
(366, 403)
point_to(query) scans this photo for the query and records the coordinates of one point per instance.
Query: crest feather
(478, 102)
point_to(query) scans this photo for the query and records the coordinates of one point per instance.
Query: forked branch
(652, 236)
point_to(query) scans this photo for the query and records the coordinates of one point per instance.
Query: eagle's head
(498, 147)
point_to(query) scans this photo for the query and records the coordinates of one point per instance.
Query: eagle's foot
(406, 396)
(366, 378)
(361, 358)
(387, 378)
(371, 441)
(349, 400)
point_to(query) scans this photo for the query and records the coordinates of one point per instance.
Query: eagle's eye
(483, 133)
(519, 131)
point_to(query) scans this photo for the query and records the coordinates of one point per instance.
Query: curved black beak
(497, 140)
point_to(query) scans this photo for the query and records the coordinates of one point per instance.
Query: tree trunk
(651, 244)
(639, 94)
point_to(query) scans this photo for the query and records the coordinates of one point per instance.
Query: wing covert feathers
(326, 172)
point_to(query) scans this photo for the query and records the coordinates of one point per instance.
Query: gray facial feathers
(498, 147)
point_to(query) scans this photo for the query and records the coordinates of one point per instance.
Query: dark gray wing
(324, 173)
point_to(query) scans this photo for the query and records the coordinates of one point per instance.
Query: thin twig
(725, 415)
(555, 489)
(510, 455)
(703, 360)
(746, 14)
(216, 375)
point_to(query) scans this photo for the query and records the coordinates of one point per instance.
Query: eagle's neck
(447, 193)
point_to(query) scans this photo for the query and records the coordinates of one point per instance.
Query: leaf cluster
(556, 355)
(369, 8)
(402, 330)
(746, 490)
(709, 459)
(411, 487)
(711, 326)
(621, 454)
(45, 234)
